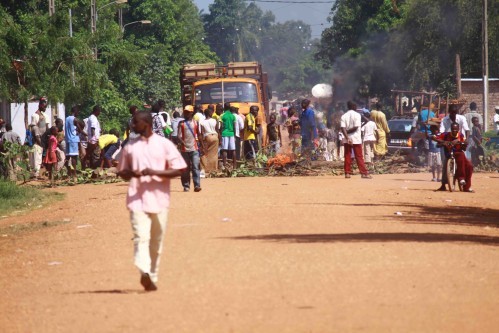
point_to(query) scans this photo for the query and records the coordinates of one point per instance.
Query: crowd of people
(219, 136)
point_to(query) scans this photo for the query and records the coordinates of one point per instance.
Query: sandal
(347, 175)
(366, 177)
(470, 191)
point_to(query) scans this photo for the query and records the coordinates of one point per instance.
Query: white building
(13, 113)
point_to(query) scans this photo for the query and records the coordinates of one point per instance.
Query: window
(233, 92)
(400, 125)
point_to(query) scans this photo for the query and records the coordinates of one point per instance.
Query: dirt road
(316, 254)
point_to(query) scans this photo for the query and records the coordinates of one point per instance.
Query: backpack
(28, 140)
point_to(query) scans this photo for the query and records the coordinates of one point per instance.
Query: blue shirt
(423, 117)
(70, 130)
(432, 146)
(307, 124)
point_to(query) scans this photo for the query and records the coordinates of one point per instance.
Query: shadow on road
(374, 237)
(424, 214)
(111, 291)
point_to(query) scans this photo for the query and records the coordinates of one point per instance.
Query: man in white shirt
(351, 129)
(496, 119)
(93, 131)
(473, 113)
(445, 126)
(454, 117)
(165, 117)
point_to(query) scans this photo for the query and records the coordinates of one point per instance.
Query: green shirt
(228, 119)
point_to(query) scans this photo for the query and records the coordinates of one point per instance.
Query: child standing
(273, 136)
(322, 147)
(369, 139)
(294, 130)
(332, 147)
(475, 142)
(434, 157)
(50, 159)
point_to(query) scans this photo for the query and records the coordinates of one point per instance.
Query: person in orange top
(454, 141)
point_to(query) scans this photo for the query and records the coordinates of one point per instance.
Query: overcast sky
(314, 14)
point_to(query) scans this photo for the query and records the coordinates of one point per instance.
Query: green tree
(412, 45)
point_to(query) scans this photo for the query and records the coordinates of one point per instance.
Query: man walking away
(350, 127)
(35, 157)
(238, 130)
(72, 129)
(250, 131)
(176, 120)
(13, 138)
(148, 163)
(93, 130)
(157, 120)
(228, 136)
(383, 131)
(309, 134)
(189, 146)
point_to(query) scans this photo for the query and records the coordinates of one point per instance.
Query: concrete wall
(14, 113)
(473, 91)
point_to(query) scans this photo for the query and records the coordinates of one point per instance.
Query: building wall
(473, 92)
(17, 116)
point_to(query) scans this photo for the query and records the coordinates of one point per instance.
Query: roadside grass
(15, 229)
(15, 198)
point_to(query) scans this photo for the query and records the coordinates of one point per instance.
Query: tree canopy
(139, 65)
(411, 44)
(238, 31)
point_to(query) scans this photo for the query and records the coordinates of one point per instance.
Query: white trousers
(148, 231)
(35, 158)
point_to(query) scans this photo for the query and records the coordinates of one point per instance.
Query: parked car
(400, 133)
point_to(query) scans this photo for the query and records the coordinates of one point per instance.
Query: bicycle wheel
(450, 167)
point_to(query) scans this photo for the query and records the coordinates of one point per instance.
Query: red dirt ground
(315, 254)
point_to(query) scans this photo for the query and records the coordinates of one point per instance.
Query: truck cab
(242, 84)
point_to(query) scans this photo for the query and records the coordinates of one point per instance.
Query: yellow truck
(243, 84)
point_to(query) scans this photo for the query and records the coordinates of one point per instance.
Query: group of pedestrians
(356, 133)
(214, 138)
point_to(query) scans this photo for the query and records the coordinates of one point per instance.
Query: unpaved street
(314, 254)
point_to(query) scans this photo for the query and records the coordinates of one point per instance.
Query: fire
(280, 160)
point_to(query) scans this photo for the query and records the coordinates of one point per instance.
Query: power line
(287, 1)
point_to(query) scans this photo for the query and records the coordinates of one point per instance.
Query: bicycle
(451, 168)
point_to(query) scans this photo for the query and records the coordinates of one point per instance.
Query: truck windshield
(233, 92)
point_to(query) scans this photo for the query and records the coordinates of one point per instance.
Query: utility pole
(71, 35)
(51, 7)
(93, 16)
(485, 66)
(93, 19)
(120, 17)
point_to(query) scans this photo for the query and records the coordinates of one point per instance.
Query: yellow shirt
(249, 123)
(106, 140)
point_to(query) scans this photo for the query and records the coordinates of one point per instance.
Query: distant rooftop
(479, 79)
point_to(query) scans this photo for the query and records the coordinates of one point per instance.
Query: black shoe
(146, 282)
